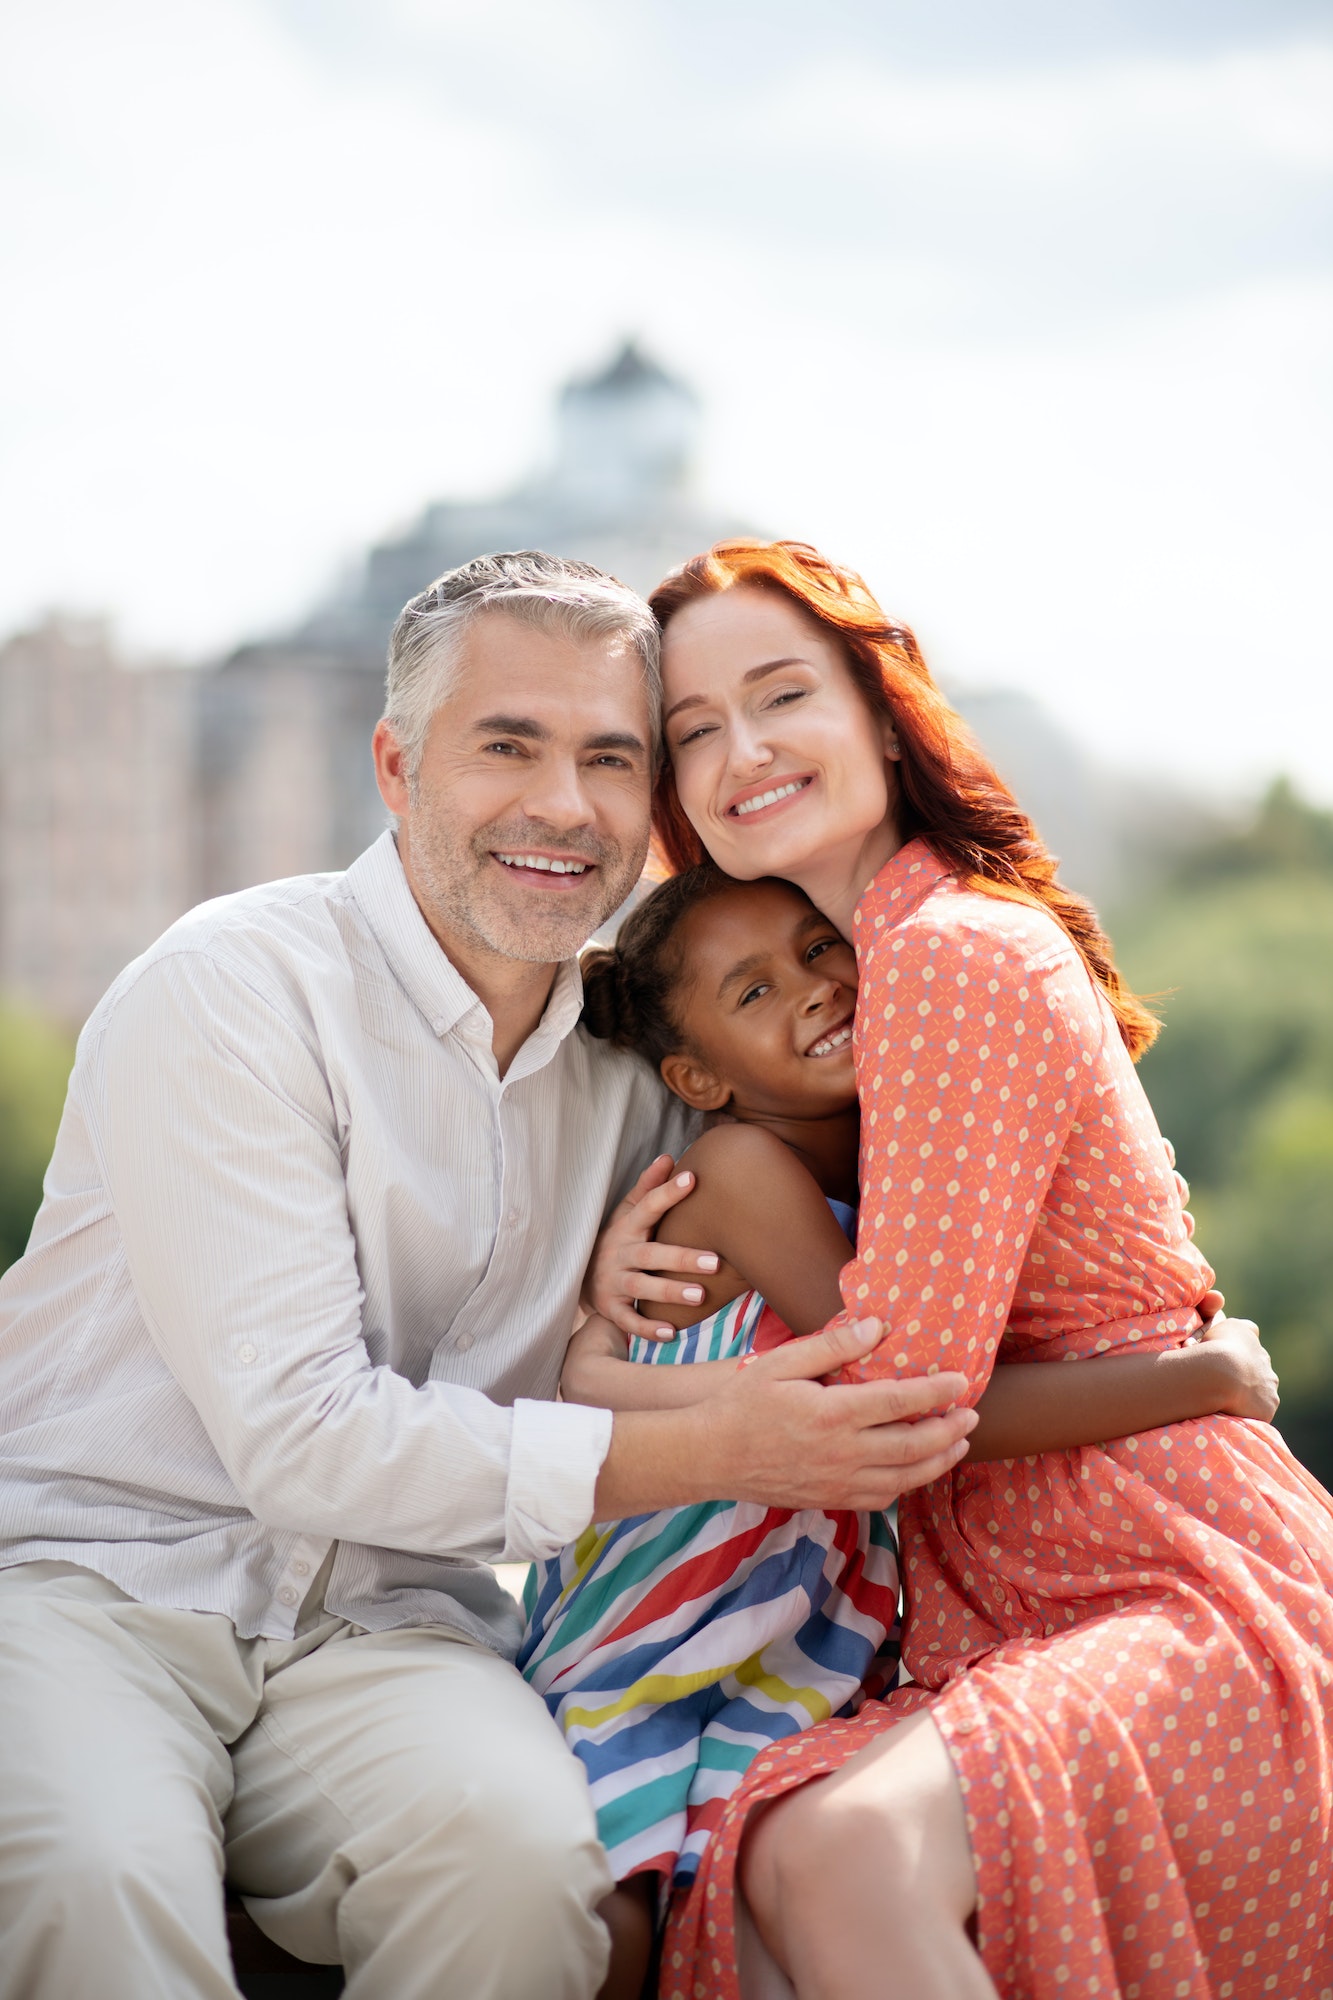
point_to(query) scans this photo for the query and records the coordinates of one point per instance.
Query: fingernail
(694, 1293)
(665, 1332)
(707, 1263)
(683, 1180)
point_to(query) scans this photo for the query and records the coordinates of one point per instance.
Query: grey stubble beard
(451, 875)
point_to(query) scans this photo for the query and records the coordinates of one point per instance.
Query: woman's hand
(1250, 1385)
(627, 1264)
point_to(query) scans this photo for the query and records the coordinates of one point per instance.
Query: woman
(1113, 1772)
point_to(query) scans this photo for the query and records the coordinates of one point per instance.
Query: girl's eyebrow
(742, 971)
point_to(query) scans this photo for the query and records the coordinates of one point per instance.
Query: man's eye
(611, 762)
(503, 749)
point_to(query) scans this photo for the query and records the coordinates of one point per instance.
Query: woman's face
(781, 767)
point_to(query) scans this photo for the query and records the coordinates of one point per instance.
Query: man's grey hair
(549, 592)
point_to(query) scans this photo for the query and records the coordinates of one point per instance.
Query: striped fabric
(673, 1647)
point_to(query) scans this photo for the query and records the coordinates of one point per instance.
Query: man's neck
(514, 991)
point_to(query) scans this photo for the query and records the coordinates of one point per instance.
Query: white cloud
(266, 306)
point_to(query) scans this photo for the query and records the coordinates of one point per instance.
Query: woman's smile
(767, 796)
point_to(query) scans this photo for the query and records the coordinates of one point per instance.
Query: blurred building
(128, 793)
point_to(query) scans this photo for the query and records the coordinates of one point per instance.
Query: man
(276, 1373)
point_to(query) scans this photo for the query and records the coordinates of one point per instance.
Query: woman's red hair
(949, 794)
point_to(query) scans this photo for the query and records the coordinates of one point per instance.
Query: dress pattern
(1127, 1648)
(675, 1647)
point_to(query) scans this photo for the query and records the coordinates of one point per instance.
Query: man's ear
(390, 768)
(694, 1083)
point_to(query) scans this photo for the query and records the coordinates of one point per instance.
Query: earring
(893, 746)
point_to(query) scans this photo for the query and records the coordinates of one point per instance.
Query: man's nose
(557, 794)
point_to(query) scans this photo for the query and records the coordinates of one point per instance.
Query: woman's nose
(749, 752)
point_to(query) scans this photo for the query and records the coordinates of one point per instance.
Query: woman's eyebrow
(751, 674)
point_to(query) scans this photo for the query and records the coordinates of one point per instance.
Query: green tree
(35, 1063)
(1238, 946)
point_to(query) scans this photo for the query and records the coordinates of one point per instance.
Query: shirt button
(464, 1342)
(248, 1353)
(512, 1217)
(286, 1595)
(300, 1568)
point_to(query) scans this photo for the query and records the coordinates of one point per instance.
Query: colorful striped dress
(674, 1647)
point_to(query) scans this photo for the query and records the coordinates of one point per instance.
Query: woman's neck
(836, 879)
(828, 1146)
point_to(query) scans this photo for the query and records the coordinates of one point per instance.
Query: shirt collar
(903, 882)
(423, 969)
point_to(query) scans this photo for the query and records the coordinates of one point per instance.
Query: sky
(1024, 307)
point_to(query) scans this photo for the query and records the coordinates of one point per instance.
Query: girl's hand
(1253, 1390)
(627, 1264)
(596, 1341)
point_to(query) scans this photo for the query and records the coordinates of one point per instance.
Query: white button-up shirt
(305, 1270)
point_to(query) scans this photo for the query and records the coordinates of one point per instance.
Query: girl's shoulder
(730, 1146)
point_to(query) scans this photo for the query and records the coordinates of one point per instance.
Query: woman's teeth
(838, 1040)
(771, 798)
(544, 861)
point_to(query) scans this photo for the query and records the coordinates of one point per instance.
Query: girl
(1115, 1770)
(674, 1647)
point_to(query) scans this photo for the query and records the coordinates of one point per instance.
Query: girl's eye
(819, 947)
(753, 993)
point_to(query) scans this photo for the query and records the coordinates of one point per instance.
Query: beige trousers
(397, 1802)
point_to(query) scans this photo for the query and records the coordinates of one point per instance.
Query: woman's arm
(1029, 1406)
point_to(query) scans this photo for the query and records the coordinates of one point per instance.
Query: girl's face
(781, 767)
(766, 1006)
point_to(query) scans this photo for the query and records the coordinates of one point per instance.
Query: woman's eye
(693, 735)
(788, 694)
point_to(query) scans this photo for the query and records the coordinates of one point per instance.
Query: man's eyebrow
(751, 674)
(512, 725)
(537, 732)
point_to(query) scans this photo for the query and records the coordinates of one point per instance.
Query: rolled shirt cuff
(555, 1454)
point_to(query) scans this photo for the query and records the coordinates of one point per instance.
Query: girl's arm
(759, 1208)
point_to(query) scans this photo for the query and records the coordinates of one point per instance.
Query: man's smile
(546, 871)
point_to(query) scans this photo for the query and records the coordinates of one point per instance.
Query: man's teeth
(771, 798)
(544, 861)
(837, 1040)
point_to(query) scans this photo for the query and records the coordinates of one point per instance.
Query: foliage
(1238, 946)
(34, 1069)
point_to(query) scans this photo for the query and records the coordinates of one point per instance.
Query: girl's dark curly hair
(630, 987)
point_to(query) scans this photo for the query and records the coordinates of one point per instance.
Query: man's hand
(775, 1434)
(626, 1263)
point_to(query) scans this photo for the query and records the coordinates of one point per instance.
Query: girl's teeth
(831, 1042)
(770, 798)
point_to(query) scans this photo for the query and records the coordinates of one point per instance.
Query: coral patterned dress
(1127, 1648)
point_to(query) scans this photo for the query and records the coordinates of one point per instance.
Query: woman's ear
(694, 1083)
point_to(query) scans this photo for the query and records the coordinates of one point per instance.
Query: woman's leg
(863, 1882)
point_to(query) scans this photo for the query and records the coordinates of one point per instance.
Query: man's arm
(777, 1435)
(219, 1144)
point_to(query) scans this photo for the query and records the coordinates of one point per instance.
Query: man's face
(528, 821)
